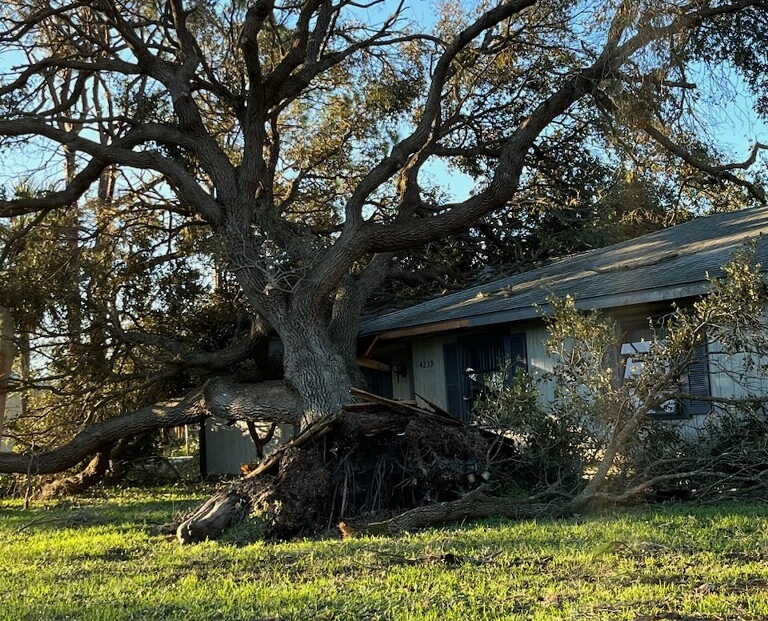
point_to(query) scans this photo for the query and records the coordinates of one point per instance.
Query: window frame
(694, 381)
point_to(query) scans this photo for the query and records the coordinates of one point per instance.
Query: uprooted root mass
(367, 460)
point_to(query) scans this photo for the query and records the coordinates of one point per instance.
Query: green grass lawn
(98, 559)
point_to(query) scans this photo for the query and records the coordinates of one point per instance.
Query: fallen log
(473, 505)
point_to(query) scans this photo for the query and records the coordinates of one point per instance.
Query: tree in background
(290, 147)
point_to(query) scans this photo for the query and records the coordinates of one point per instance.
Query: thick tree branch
(121, 151)
(454, 217)
(717, 172)
(430, 117)
(95, 437)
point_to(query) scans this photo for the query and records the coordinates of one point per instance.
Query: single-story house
(440, 349)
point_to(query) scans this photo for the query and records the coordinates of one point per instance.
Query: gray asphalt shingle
(664, 265)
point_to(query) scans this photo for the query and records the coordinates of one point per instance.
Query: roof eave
(619, 300)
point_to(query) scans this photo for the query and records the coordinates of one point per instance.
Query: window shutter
(453, 380)
(696, 382)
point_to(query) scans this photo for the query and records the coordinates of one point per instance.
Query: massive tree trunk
(318, 368)
(314, 367)
(349, 302)
(271, 401)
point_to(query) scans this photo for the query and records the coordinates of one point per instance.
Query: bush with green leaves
(597, 440)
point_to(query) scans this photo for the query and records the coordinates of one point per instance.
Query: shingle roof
(665, 265)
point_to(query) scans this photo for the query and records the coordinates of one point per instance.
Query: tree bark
(473, 505)
(351, 296)
(315, 368)
(214, 517)
(7, 354)
(93, 474)
(91, 439)
(271, 401)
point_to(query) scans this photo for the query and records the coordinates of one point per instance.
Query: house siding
(402, 387)
(729, 379)
(428, 365)
(539, 361)
(227, 447)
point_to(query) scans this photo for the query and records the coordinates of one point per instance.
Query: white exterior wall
(428, 365)
(726, 377)
(401, 388)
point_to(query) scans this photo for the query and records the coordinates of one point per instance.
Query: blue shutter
(696, 382)
(453, 380)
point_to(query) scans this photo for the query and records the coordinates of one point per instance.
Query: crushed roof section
(669, 264)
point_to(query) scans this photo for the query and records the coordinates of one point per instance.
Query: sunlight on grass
(97, 559)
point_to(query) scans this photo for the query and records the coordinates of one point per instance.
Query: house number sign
(426, 364)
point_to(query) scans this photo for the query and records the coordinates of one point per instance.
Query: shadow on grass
(90, 512)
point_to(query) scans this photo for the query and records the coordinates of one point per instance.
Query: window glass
(637, 339)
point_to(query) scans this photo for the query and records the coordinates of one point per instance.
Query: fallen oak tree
(377, 456)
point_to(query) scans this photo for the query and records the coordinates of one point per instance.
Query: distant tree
(294, 141)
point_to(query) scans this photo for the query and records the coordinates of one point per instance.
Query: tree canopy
(303, 153)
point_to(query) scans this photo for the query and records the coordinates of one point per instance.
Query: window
(473, 366)
(636, 340)
(632, 355)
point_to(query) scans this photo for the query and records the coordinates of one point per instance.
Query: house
(440, 350)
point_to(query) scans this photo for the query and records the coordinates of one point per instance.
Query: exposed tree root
(214, 517)
(363, 461)
(93, 474)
